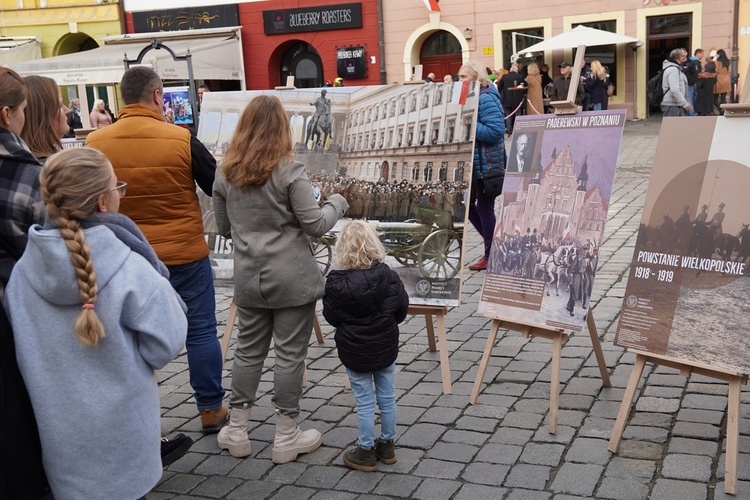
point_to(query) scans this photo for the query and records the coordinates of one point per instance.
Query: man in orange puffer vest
(161, 163)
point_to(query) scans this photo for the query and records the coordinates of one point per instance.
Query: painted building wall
(63, 24)
(408, 24)
(263, 52)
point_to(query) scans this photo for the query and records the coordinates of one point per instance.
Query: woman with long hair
(489, 153)
(46, 117)
(99, 117)
(596, 85)
(264, 201)
(534, 99)
(21, 475)
(91, 307)
(723, 84)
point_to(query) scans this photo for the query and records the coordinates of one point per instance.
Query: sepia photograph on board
(400, 154)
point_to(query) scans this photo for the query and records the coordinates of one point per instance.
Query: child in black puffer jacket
(365, 300)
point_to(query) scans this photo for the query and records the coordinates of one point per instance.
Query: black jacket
(366, 306)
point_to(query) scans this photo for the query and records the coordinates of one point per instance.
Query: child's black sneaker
(385, 451)
(361, 459)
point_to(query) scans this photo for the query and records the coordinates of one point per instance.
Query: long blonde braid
(72, 181)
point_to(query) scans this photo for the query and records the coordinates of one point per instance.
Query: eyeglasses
(121, 187)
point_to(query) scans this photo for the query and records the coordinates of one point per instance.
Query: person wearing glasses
(91, 308)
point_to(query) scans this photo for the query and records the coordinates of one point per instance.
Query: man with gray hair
(161, 163)
(674, 84)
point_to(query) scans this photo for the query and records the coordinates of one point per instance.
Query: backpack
(655, 90)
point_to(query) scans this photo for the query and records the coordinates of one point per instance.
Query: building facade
(65, 26)
(314, 41)
(484, 30)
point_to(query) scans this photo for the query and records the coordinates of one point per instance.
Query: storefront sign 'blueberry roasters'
(324, 18)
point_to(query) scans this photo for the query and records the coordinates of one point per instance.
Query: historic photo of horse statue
(400, 154)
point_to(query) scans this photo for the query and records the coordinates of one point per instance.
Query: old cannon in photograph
(432, 243)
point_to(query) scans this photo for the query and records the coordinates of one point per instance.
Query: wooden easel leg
(445, 367)
(318, 331)
(554, 390)
(627, 401)
(594, 334)
(228, 331)
(430, 332)
(485, 359)
(733, 433)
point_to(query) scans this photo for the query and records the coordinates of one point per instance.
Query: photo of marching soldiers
(401, 155)
(550, 226)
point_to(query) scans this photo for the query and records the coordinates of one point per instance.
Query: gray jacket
(271, 226)
(674, 84)
(97, 408)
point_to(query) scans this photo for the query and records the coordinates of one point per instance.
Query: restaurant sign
(329, 17)
(214, 16)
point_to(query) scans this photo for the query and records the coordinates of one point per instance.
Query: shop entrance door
(440, 54)
(303, 62)
(666, 33)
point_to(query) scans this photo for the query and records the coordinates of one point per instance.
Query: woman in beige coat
(99, 117)
(264, 200)
(534, 99)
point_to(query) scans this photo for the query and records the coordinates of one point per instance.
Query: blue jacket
(97, 408)
(489, 146)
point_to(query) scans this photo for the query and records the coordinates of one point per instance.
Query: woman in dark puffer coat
(489, 153)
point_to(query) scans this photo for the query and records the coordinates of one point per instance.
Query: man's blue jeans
(195, 284)
(386, 397)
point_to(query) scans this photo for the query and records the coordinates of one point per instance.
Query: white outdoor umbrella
(580, 35)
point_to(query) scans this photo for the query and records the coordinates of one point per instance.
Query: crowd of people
(700, 86)
(394, 201)
(105, 277)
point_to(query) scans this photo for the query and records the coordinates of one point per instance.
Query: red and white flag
(432, 5)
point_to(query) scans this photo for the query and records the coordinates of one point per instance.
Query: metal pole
(735, 52)
(192, 91)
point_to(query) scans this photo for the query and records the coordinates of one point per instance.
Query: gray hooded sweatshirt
(97, 408)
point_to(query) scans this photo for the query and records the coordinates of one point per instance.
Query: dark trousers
(21, 473)
(195, 284)
(482, 213)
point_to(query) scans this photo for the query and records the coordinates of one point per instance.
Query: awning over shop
(19, 49)
(216, 55)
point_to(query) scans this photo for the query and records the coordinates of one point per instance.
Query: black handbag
(492, 179)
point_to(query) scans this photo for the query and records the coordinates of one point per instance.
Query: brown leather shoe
(479, 265)
(213, 419)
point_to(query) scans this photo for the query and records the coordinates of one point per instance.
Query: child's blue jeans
(362, 388)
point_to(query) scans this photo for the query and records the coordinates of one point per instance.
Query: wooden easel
(428, 312)
(558, 338)
(439, 313)
(735, 380)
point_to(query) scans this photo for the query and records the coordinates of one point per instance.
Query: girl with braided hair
(93, 316)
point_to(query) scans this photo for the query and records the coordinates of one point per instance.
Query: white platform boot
(290, 441)
(233, 437)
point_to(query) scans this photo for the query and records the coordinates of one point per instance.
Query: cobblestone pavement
(673, 446)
